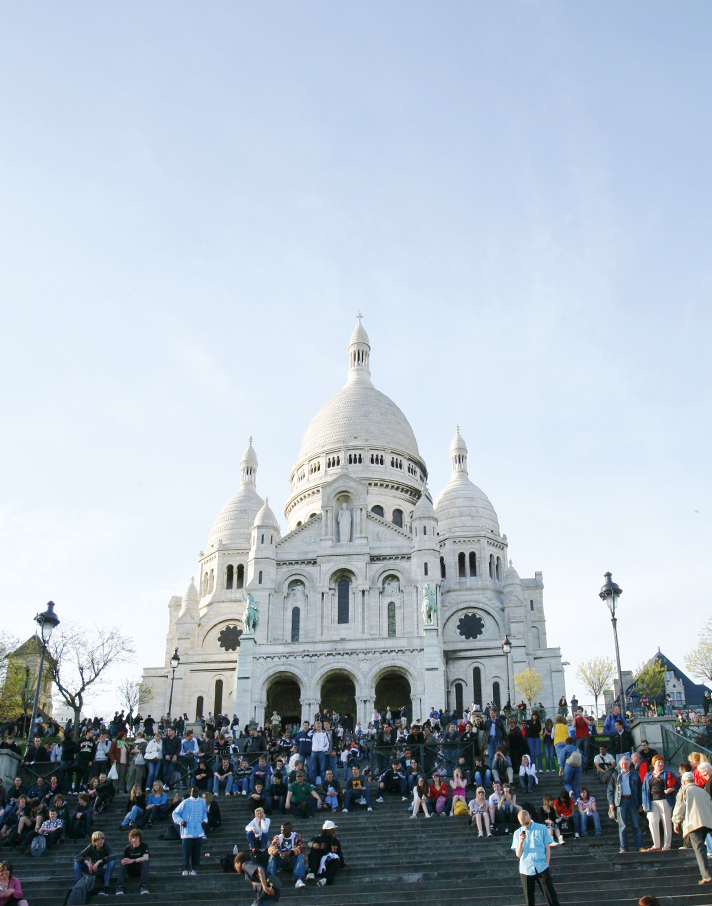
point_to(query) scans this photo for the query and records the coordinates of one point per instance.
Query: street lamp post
(175, 661)
(46, 621)
(506, 648)
(610, 592)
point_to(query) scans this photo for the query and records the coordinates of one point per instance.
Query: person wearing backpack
(95, 861)
(573, 762)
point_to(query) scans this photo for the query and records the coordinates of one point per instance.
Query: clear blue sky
(196, 200)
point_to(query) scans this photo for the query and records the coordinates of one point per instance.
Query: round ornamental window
(470, 626)
(229, 638)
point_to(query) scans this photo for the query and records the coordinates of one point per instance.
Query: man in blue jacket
(624, 801)
(494, 728)
(609, 725)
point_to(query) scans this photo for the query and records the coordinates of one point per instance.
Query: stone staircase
(392, 860)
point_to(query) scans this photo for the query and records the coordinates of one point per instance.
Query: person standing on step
(624, 801)
(532, 846)
(325, 857)
(189, 816)
(693, 809)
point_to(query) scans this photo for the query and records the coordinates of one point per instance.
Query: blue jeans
(450, 756)
(133, 815)
(559, 747)
(254, 843)
(572, 776)
(549, 757)
(153, 768)
(317, 765)
(104, 871)
(535, 752)
(295, 864)
(356, 794)
(241, 785)
(491, 746)
(628, 817)
(487, 778)
(295, 807)
(581, 823)
(219, 784)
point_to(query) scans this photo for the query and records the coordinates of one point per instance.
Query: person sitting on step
(439, 793)
(286, 853)
(459, 790)
(258, 799)
(52, 830)
(584, 812)
(258, 832)
(502, 766)
(482, 775)
(325, 856)
(479, 812)
(97, 861)
(222, 778)
(393, 780)
(330, 783)
(550, 819)
(134, 863)
(420, 798)
(527, 774)
(357, 791)
(277, 794)
(302, 798)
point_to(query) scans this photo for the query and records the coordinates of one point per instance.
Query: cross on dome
(359, 316)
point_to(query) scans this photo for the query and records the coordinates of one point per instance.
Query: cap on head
(328, 825)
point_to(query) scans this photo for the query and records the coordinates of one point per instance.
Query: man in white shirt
(605, 765)
(321, 748)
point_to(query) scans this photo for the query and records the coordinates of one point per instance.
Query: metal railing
(677, 748)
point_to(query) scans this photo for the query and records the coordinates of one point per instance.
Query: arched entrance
(393, 690)
(338, 693)
(284, 697)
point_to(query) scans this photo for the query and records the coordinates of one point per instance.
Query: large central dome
(358, 414)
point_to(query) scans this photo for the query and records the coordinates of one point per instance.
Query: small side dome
(266, 517)
(424, 508)
(191, 595)
(511, 577)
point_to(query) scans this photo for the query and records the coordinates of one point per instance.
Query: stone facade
(340, 596)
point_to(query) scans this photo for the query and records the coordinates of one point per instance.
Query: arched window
(205, 584)
(259, 579)
(461, 569)
(218, 697)
(240, 576)
(425, 529)
(425, 568)
(473, 563)
(442, 567)
(295, 624)
(398, 518)
(211, 584)
(498, 569)
(199, 706)
(495, 697)
(312, 515)
(491, 566)
(458, 699)
(299, 523)
(228, 576)
(531, 605)
(477, 686)
(263, 540)
(377, 510)
(343, 600)
(391, 620)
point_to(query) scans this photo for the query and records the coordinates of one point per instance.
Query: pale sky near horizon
(198, 198)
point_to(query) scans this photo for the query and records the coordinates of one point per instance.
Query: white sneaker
(194, 872)
(310, 876)
(321, 882)
(244, 792)
(380, 799)
(369, 809)
(344, 810)
(413, 816)
(576, 835)
(404, 798)
(300, 883)
(185, 872)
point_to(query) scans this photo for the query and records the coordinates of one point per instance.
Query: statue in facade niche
(344, 523)
(430, 607)
(251, 616)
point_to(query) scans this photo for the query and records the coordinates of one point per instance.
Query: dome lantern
(248, 466)
(458, 454)
(359, 355)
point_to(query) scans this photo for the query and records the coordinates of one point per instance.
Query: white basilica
(340, 596)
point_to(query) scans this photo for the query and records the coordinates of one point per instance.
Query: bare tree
(80, 659)
(596, 675)
(699, 660)
(133, 695)
(8, 644)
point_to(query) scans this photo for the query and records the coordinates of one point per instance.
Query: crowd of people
(484, 766)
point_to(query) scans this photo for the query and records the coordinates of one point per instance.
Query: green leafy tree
(528, 684)
(596, 675)
(650, 679)
(699, 660)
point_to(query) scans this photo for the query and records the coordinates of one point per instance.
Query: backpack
(460, 808)
(38, 847)
(80, 892)
(575, 760)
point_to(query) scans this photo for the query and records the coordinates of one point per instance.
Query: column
(242, 689)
